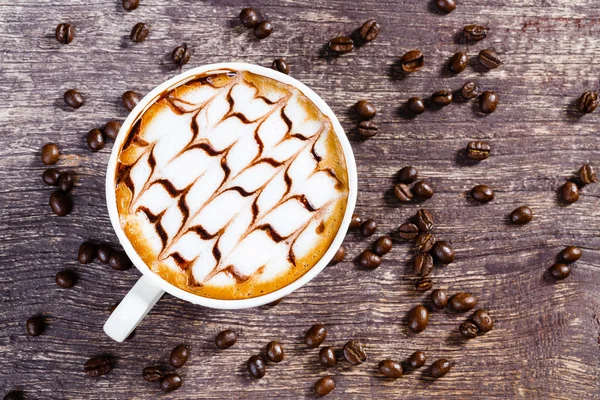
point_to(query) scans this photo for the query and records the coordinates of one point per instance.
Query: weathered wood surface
(546, 344)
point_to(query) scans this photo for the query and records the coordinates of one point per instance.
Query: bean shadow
(477, 111)
(572, 112)
(405, 113)
(462, 159)
(395, 71)
(477, 66)
(431, 7)
(459, 37)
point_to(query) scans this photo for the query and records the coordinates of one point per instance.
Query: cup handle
(132, 309)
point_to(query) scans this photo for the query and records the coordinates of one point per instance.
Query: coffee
(231, 185)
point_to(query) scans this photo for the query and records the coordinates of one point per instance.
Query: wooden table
(546, 341)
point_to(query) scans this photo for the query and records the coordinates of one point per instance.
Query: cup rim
(145, 103)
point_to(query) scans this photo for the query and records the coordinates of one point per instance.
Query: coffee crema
(231, 185)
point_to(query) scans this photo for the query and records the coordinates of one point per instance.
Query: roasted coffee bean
(95, 140)
(315, 336)
(390, 369)
(50, 177)
(341, 44)
(65, 33)
(225, 339)
(488, 101)
(369, 30)
(50, 153)
(103, 253)
(424, 242)
(478, 150)
(408, 231)
(570, 192)
(324, 386)
(443, 252)
(355, 221)
(383, 245)
(571, 254)
(446, 6)
(417, 360)
(483, 320)
(469, 91)
(365, 109)
(416, 105)
(442, 98)
(73, 98)
(339, 255)
(559, 271)
(458, 62)
(474, 33)
(403, 192)
(423, 285)
(275, 351)
(130, 99)
(408, 174)
(152, 374)
(263, 29)
(440, 368)
(97, 366)
(130, 5)
(368, 227)
(327, 357)
(354, 353)
(412, 61)
(139, 33)
(521, 215)
(418, 318)
(179, 356)
(369, 260)
(588, 102)
(35, 326)
(65, 182)
(439, 298)
(60, 203)
(87, 252)
(424, 220)
(256, 366)
(468, 330)
(281, 65)
(170, 382)
(489, 58)
(367, 129)
(422, 264)
(111, 129)
(13, 395)
(482, 193)
(249, 17)
(181, 54)
(587, 174)
(65, 279)
(118, 260)
(462, 302)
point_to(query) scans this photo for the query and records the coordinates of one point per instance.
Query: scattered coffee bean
(390, 369)
(103, 253)
(170, 382)
(275, 351)
(130, 99)
(50, 153)
(469, 91)
(87, 252)
(97, 366)
(439, 298)
(521, 215)
(383, 245)
(280, 65)
(462, 302)
(60, 203)
(408, 231)
(559, 271)
(95, 140)
(417, 360)
(408, 174)
(179, 356)
(152, 374)
(424, 242)
(65, 33)
(424, 220)
(225, 339)
(474, 33)
(50, 177)
(588, 102)
(139, 33)
(130, 5)
(65, 182)
(368, 227)
(442, 98)
(446, 6)
(369, 260)
(13, 395)
(354, 353)
(65, 279)
(478, 150)
(356, 221)
(73, 98)
(488, 101)
(443, 252)
(418, 318)
(458, 62)
(263, 29)
(249, 17)
(403, 192)
(118, 260)
(327, 357)
(339, 255)
(483, 320)
(111, 129)
(587, 174)
(315, 336)
(468, 329)
(440, 368)
(570, 192)
(256, 366)
(482, 193)
(341, 44)
(422, 264)
(369, 30)
(423, 285)
(181, 54)
(367, 129)
(571, 254)
(324, 386)
(35, 326)
(416, 105)
(412, 61)
(365, 109)
(489, 58)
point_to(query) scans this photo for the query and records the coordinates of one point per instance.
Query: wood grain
(546, 343)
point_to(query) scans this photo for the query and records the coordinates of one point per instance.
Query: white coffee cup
(150, 287)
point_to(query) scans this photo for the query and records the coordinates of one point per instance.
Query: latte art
(231, 185)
